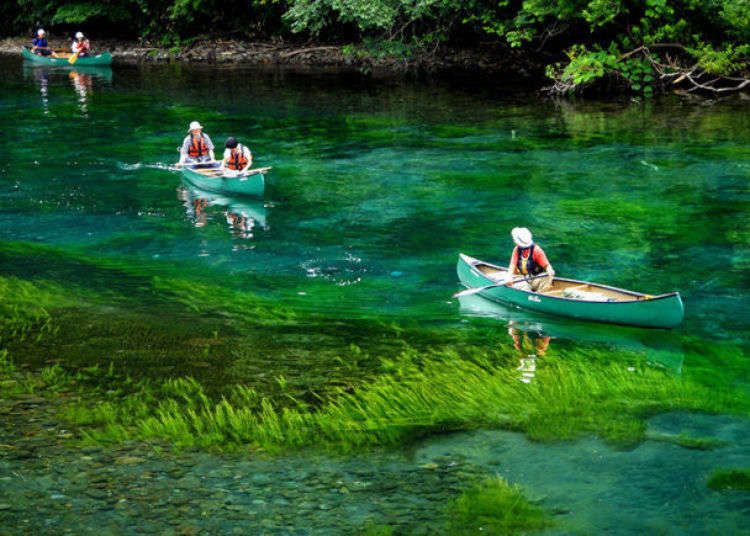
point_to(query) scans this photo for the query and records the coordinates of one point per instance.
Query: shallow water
(656, 488)
(376, 188)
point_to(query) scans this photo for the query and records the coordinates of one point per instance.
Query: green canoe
(621, 306)
(209, 177)
(102, 59)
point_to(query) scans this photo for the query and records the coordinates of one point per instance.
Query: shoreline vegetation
(560, 46)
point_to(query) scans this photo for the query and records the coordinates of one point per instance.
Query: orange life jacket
(527, 265)
(199, 148)
(238, 160)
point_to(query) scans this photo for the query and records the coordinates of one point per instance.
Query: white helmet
(522, 237)
(195, 125)
(40, 32)
(79, 35)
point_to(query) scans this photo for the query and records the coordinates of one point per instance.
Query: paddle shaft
(50, 48)
(470, 291)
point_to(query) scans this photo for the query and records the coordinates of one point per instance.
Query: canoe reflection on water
(244, 216)
(81, 78)
(533, 333)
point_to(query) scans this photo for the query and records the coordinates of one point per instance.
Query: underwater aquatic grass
(407, 384)
(730, 479)
(688, 442)
(376, 530)
(494, 507)
(569, 398)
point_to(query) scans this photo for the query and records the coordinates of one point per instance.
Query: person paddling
(237, 157)
(528, 259)
(39, 44)
(196, 147)
(80, 45)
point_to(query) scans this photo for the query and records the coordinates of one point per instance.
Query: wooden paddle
(470, 291)
(73, 58)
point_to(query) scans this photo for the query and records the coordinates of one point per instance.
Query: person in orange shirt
(528, 259)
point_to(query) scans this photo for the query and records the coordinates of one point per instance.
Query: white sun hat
(40, 32)
(522, 237)
(79, 35)
(195, 125)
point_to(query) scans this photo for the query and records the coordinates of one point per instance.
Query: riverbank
(337, 58)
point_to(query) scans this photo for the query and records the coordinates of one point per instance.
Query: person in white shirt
(80, 46)
(196, 147)
(237, 157)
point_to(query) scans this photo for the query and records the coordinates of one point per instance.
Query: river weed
(494, 507)
(730, 479)
(569, 399)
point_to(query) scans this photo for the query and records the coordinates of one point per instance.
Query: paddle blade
(470, 291)
(73, 58)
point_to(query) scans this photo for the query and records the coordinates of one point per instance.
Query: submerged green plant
(444, 393)
(688, 442)
(372, 529)
(729, 479)
(387, 384)
(494, 507)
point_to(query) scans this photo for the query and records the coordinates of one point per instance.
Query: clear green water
(376, 187)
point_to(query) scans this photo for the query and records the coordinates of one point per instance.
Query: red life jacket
(198, 149)
(527, 265)
(82, 47)
(238, 160)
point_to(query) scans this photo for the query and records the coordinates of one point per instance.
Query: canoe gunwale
(473, 263)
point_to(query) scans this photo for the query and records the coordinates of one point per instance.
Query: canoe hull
(251, 185)
(665, 311)
(102, 59)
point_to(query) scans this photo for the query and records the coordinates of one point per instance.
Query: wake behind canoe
(600, 303)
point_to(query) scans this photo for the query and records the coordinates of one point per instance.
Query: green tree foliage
(638, 44)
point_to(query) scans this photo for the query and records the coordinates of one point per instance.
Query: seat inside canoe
(559, 285)
(209, 170)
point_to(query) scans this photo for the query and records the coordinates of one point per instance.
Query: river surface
(377, 186)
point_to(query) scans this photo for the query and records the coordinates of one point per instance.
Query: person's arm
(541, 259)
(249, 160)
(224, 159)
(210, 145)
(183, 152)
(511, 267)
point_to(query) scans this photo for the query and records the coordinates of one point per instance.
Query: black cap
(231, 143)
